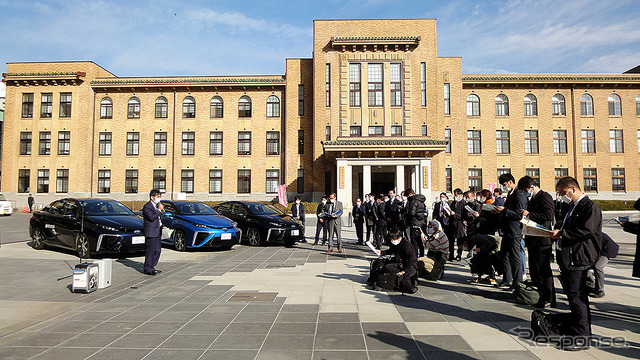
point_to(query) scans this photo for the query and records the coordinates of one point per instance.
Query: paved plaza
(279, 303)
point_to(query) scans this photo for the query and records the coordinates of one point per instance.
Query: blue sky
(170, 37)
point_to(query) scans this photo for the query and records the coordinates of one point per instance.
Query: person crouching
(399, 271)
(431, 267)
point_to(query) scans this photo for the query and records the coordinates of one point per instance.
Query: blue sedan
(192, 224)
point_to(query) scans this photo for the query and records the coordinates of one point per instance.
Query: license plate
(295, 232)
(225, 236)
(137, 240)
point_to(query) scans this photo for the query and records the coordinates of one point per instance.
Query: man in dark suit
(322, 222)
(334, 211)
(541, 210)
(391, 210)
(369, 207)
(381, 222)
(359, 215)
(152, 211)
(297, 211)
(580, 245)
(458, 230)
(511, 248)
(31, 201)
(633, 227)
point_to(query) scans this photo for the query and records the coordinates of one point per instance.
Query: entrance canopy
(384, 147)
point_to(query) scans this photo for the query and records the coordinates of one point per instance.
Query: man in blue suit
(297, 211)
(152, 211)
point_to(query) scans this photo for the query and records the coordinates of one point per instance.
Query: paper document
(471, 211)
(373, 248)
(532, 228)
(488, 207)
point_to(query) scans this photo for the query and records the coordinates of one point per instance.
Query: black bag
(375, 269)
(543, 324)
(386, 282)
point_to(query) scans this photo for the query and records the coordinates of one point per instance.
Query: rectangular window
(449, 182)
(531, 141)
(272, 181)
(25, 143)
(503, 145)
(65, 104)
(43, 180)
(327, 133)
(560, 141)
(131, 181)
(215, 181)
(160, 180)
(617, 180)
(447, 137)
(159, 144)
(44, 146)
(588, 141)
(64, 142)
(216, 110)
(423, 83)
(376, 130)
(215, 143)
(188, 143)
(300, 142)
(46, 105)
(186, 183)
(300, 100)
(474, 142)
(447, 99)
(300, 187)
(375, 84)
(62, 181)
(590, 179)
(534, 173)
(273, 142)
(396, 85)
(424, 130)
(475, 179)
(27, 105)
(106, 109)
(24, 179)
(244, 143)
(615, 141)
(355, 131)
(354, 84)
(327, 84)
(104, 181)
(161, 109)
(560, 173)
(244, 181)
(396, 130)
(133, 143)
(104, 145)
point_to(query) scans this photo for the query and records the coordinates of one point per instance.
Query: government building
(375, 108)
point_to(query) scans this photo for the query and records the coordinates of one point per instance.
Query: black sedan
(262, 223)
(88, 226)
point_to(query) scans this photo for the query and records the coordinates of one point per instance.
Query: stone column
(425, 178)
(345, 185)
(399, 178)
(366, 179)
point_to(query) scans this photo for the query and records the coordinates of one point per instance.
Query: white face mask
(443, 199)
(297, 201)
(478, 199)
(386, 199)
(458, 198)
(156, 200)
(324, 202)
(358, 202)
(469, 200)
(566, 199)
(396, 241)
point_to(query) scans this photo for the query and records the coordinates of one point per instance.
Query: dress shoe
(158, 271)
(329, 250)
(596, 295)
(504, 285)
(575, 347)
(339, 250)
(150, 272)
(303, 241)
(542, 304)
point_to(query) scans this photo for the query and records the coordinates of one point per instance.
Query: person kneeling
(398, 272)
(431, 267)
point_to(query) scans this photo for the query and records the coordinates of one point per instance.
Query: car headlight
(275, 224)
(108, 228)
(234, 224)
(201, 226)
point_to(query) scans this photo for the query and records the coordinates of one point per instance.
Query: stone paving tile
(339, 342)
(20, 352)
(93, 340)
(292, 328)
(441, 342)
(398, 355)
(120, 354)
(193, 342)
(340, 355)
(248, 328)
(286, 354)
(139, 341)
(235, 342)
(66, 353)
(289, 342)
(229, 355)
(388, 341)
(172, 354)
(339, 317)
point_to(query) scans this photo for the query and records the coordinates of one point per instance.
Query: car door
(70, 223)
(240, 214)
(168, 220)
(52, 222)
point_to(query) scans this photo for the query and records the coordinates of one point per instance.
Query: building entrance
(382, 182)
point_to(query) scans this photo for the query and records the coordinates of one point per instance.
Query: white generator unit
(104, 275)
(85, 278)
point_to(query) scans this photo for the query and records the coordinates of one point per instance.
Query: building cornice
(187, 81)
(550, 78)
(36, 78)
(384, 144)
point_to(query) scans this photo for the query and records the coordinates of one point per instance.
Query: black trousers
(152, 256)
(359, 231)
(540, 269)
(450, 232)
(371, 229)
(322, 226)
(416, 240)
(381, 233)
(574, 284)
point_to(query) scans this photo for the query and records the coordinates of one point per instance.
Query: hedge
(615, 205)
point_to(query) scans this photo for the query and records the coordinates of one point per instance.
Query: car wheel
(253, 235)
(179, 240)
(37, 239)
(82, 246)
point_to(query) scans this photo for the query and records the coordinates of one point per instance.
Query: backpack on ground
(543, 324)
(387, 282)
(375, 269)
(526, 294)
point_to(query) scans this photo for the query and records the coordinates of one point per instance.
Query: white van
(5, 206)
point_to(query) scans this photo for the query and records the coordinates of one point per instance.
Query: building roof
(383, 144)
(182, 81)
(635, 70)
(36, 76)
(550, 78)
(375, 40)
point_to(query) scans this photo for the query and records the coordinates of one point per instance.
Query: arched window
(615, 107)
(106, 108)
(189, 107)
(244, 107)
(273, 106)
(638, 105)
(133, 110)
(530, 105)
(557, 105)
(502, 105)
(216, 107)
(161, 107)
(586, 105)
(473, 105)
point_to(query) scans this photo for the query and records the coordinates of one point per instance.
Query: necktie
(566, 217)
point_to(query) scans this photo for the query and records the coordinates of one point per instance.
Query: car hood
(119, 221)
(285, 220)
(210, 220)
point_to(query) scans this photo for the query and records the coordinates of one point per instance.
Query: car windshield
(195, 209)
(264, 209)
(104, 208)
(2, 198)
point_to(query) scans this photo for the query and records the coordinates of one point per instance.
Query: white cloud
(3, 89)
(240, 22)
